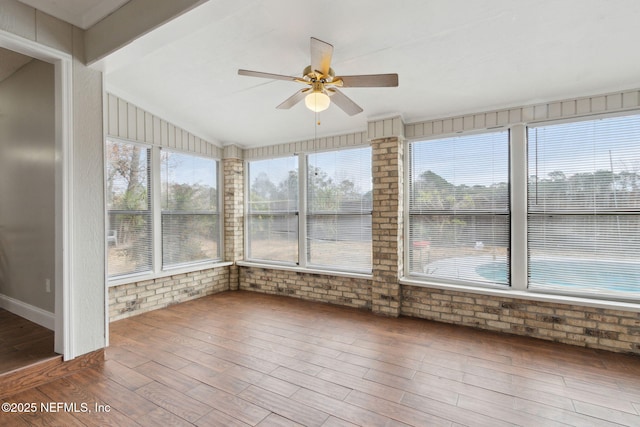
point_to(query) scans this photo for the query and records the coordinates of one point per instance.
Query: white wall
(27, 144)
(88, 240)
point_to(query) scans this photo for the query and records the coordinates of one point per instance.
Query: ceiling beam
(133, 20)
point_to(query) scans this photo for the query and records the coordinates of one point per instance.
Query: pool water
(609, 275)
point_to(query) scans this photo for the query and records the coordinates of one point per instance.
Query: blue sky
(587, 146)
(190, 169)
(577, 147)
(481, 159)
(350, 164)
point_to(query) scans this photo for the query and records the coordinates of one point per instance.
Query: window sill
(165, 273)
(305, 270)
(528, 295)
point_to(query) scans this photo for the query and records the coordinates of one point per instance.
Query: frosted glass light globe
(317, 101)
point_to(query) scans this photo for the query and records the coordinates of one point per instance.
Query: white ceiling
(452, 57)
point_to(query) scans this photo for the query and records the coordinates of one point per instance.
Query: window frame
(568, 293)
(302, 213)
(158, 270)
(308, 214)
(217, 214)
(149, 212)
(508, 213)
(518, 193)
(284, 214)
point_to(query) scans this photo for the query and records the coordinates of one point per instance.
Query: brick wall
(347, 291)
(233, 216)
(139, 297)
(577, 325)
(387, 225)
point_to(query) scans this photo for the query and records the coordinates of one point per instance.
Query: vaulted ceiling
(452, 57)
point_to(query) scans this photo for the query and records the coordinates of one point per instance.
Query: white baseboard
(36, 315)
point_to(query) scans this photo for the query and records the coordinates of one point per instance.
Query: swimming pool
(572, 273)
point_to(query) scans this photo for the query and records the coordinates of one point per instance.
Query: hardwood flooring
(22, 342)
(246, 359)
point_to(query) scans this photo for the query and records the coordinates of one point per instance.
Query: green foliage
(586, 190)
(189, 197)
(188, 238)
(448, 211)
(431, 192)
(265, 196)
(127, 177)
(277, 201)
(326, 195)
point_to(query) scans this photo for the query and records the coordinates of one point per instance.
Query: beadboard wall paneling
(572, 108)
(385, 128)
(309, 146)
(127, 121)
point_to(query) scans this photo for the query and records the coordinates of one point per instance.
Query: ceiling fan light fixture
(323, 82)
(317, 101)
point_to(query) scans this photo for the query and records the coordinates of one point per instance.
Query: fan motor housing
(316, 74)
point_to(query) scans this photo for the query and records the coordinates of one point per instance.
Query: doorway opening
(35, 185)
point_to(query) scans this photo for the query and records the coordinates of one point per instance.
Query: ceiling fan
(323, 83)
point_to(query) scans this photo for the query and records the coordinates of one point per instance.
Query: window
(190, 220)
(584, 207)
(129, 209)
(459, 218)
(339, 204)
(272, 217)
(162, 209)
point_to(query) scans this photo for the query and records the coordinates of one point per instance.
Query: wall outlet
(47, 285)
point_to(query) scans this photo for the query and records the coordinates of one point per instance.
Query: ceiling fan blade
(344, 102)
(293, 99)
(321, 53)
(370, 80)
(266, 75)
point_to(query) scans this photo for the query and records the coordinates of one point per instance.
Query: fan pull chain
(315, 131)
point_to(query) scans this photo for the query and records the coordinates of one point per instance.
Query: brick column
(233, 167)
(387, 224)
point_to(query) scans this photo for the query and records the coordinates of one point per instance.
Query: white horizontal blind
(339, 204)
(584, 207)
(459, 218)
(190, 214)
(272, 217)
(129, 209)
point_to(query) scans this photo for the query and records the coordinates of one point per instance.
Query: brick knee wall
(139, 297)
(592, 327)
(347, 291)
(600, 328)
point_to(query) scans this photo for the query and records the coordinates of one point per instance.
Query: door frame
(63, 63)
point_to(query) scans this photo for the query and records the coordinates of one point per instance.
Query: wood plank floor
(22, 342)
(245, 359)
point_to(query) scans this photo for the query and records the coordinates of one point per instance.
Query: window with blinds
(272, 210)
(584, 207)
(128, 208)
(190, 214)
(339, 204)
(459, 222)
